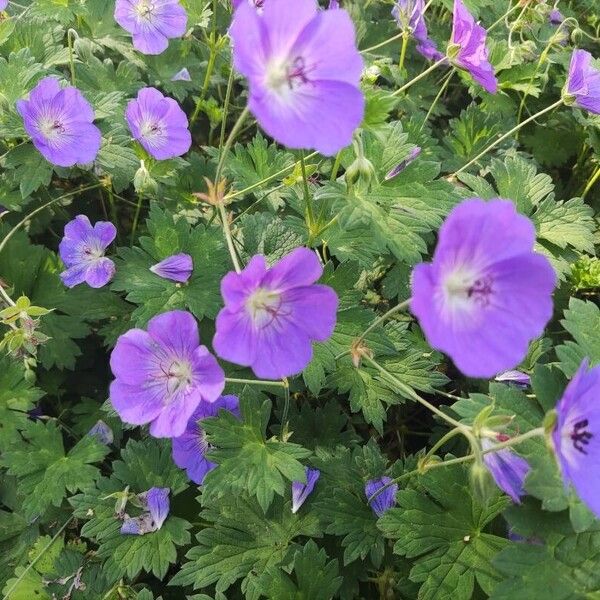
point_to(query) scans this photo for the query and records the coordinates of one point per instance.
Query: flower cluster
(60, 123)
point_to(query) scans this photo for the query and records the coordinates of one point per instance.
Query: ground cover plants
(299, 300)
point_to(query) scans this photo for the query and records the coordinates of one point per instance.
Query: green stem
(267, 179)
(260, 382)
(595, 176)
(405, 37)
(336, 166)
(538, 432)
(438, 96)
(71, 59)
(310, 217)
(382, 44)
(426, 72)
(508, 134)
(35, 560)
(226, 108)
(221, 204)
(136, 217)
(412, 394)
(211, 64)
(386, 315)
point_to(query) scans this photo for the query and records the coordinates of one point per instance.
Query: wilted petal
(102, 431)
(385, 499)
(178, 268)
(157, 502)
(301, 491)
(508, 470)
(183, 75)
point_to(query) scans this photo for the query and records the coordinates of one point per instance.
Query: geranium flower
(576, 435)
(163, 374)
(82, 251)
(519, 378)
(59, 122)
(190, 448)
(158, 124)
(467, 48)
(156, 504)
(386, 499)
(152, 23)
(3, 4)
(183, 75)
(178, 268)
(412, 155)
(301, 491)
(507, 468)
(409, 16)
(486, 294)
(272, 315)
(583, 83)
(102, 432)
(303, 70)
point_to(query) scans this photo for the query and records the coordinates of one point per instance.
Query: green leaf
(45, 472)
(32, 169)
(17, 396)
(340, 500)
(248, 461)
(582, 321)
(443, 528)
(153, 294)
(241, 542)
(315, 578)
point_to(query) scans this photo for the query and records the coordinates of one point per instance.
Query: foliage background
(236, 536)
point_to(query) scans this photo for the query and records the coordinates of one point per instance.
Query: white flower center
(92, 252)
(263, 306)
(152, 131)
(50, 127)
(144, 9)
(178, 375)
(287, 75)
(465, 286)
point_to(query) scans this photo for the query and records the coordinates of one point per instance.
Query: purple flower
(409, 16)
(178, 267)
(3, 4)
(190, 448)
(156, 501)
(577, 433)
(156, 504)
(272, 315)
(151, 22)
(520, 379)
(384, 500)
(163, 374)
(60, 123)
(414, 153)
(82, 251)
(301, 491)
(183, 75)
(102, 432)
(303, 70)
(486, 294)
(583, 83)
(507, 468)
(555, 17)
(468, 50)
(158, 124)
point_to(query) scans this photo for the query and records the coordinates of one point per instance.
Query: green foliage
(249, 460)
(45, 471)
(442, 527)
